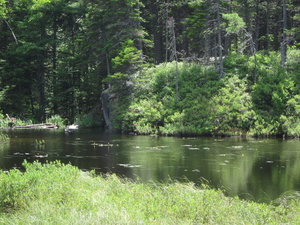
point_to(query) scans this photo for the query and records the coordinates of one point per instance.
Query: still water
(255, 169)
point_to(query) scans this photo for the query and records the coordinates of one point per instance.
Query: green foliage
(293, 55)
(3, 138)
(293, 67)
(194, 3)
(147, 116)
(232, 107)
(238, 64)
(206, 106)
(3, 121)
(87, 120)
(3, 9)
(270, 96)
(174, 124)
(128, 56)
(49, 182)
(290, 120)
(156, 109)
(115, 76)
(40, 3)
(195, 22)
(55, 56)
(235, 22)
(197, 84)
(56, 119)
(54, 193)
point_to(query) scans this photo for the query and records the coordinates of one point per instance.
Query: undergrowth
(54, 193)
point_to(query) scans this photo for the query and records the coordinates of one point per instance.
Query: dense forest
(171, 67)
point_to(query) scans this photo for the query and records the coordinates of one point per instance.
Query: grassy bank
(62, 194)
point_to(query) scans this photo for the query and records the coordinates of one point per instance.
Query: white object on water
(71, 128)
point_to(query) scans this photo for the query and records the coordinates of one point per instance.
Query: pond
(255, 169)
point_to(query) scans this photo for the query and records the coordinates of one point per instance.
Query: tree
(219, 46)
(120, 43)
(284, 35)
(237, 26)
(198, 29)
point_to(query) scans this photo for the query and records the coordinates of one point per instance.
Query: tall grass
(54, 193)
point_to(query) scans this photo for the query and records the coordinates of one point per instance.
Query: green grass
(54, 193)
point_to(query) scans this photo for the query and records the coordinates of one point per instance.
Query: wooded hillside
(63, 57)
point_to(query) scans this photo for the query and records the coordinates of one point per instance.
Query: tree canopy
(58, 56)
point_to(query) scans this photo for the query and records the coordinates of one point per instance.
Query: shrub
(232, 108)
(157, 107)
(56, 119)
(87, 120)
(270, 96)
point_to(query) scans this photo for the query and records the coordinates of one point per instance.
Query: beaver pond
(256, 169)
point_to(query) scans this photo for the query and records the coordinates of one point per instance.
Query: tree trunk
(166, 32)
(41, 76)
(256, 32)
(284, 36)
(54, 64)
(157, 33)
(208, 41)
(173, 52)
(221, 69)
(268, 26)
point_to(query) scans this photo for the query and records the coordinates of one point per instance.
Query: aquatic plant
(39, 142)
(4, 137)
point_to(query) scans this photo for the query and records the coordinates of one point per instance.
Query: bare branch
(12, 32)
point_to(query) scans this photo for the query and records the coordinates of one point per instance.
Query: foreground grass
(54, 193)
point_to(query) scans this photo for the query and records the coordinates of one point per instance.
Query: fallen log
(38, 125)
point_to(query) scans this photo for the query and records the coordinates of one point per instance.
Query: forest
(166, 67)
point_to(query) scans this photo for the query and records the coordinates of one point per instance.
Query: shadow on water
(255, 169)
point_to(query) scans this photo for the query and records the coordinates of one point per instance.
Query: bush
(232, 107)
(257, 95)
(270, 96)
(87, 120)
(157, 107)
(56, 119)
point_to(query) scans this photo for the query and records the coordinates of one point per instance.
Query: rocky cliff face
(106, 97)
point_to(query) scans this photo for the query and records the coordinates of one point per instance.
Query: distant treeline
(60, 58)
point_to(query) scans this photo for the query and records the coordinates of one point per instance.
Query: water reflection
(258, 169)
(4, 147)
(161, 158)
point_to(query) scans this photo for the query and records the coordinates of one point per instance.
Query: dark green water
(256, 169)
